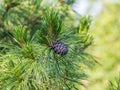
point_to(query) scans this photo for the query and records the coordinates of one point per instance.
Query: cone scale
(60, 48)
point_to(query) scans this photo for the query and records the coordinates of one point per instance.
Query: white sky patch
(80, 7)
(86, 7)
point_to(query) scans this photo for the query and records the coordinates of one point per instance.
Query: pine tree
(40, 49)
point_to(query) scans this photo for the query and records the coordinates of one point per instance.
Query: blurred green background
(106, 48)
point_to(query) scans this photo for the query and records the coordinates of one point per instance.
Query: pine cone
(60, 48)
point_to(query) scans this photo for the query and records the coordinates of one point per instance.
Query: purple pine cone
(60, 48)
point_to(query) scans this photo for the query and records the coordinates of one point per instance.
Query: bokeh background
(105, 29)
